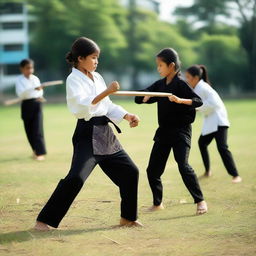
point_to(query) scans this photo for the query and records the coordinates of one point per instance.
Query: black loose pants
(32, 116)
(157, 162)
(118, 167)
(220, 136)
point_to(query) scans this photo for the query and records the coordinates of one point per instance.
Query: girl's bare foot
(237, 179)
(208, 174)
(201, 208)
(40, 158)
(127, 223)
(40, 226)
(154, 208)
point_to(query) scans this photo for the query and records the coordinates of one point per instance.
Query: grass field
(228, 229)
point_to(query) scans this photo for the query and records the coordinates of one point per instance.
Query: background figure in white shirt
(29, 90)
(215, 124)
(94, 141)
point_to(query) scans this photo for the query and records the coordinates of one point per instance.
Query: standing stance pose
(216, 121)
(29, 90)
(93, 140)
(175, 116)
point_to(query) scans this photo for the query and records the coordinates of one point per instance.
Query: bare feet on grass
(236, 179)
(127, 223)
(155, 208)
(201, 208)
(208, 174)
(40, 226)
(40, 158)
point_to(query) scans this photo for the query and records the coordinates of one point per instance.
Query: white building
(13, 41)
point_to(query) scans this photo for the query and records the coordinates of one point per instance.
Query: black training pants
(118, 167)
(158, 158)
(32, 116)
(221, 140)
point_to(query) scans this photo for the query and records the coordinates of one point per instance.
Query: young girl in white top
(93, 140)
(29, 90)
(216, 123)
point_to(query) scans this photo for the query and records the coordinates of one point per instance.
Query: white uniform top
(81, 91)
(25, 87)
(213, 108)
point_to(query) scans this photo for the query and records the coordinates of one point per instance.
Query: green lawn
(25, 185)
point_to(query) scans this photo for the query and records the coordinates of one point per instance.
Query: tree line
(130, 37)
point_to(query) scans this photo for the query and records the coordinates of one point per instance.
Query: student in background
(215, 124)
(175, 115)
(29, 90)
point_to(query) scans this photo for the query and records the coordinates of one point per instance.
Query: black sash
(102, 120)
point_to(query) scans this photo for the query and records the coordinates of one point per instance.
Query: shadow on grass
(26, 235)
(15, 159)
(178, 217)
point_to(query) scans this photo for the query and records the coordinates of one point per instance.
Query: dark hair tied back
(200, 71)
(169, 55)
(82, 47)
(69, 57)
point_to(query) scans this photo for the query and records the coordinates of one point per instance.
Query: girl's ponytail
(200, 71)
(204, 75)
(69, 58)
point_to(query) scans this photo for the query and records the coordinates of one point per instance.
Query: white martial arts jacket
(25, 87)
(81, 91)
(213, 108)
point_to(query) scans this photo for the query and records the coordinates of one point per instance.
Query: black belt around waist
(102, 120)
(28, 100)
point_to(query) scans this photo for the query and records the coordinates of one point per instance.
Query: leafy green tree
(59, 22)
(208, 13)
(204, 10)
(149, 37)
(225, 60)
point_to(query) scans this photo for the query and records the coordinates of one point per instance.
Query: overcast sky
(168, 6)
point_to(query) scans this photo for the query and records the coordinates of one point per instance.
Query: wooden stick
(112, 240)
(50, 83)
(12, 101)
(45, 84)
(142, 93)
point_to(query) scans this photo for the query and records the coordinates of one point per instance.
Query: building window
(11, 8)
(13, 47)
(11, 69)
(12, 25)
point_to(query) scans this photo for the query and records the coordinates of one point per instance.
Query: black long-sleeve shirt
(173, 117)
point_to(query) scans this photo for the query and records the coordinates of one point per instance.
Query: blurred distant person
(29, 90)
(175, 115)
(216, 123)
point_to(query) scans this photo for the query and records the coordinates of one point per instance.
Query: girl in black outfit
(175, 115)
